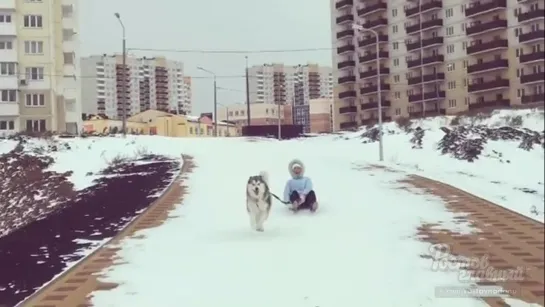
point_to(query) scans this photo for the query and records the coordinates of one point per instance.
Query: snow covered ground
(358, 247)
(518, 185)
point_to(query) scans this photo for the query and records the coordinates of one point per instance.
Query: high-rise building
(435, 57)
(151, 83)
(186, 96)
(279, 83)
(39, 71)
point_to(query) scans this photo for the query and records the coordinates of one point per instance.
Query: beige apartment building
(40, 75)
(284, 84)
(151, 84)
(435, 57)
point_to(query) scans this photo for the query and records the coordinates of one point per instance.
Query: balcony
(9, 55)
(424, 8)
(535, 98)
(373, 73)
(532, 36)
(373, 56)
(531, 15)
(345, 34)
(347, 79)
(488, 66)
(374, 105)
(8, 5)
(528, 58)
(488, 46)
(538, 77)
(347, 94)
(345, 19)
(369, 89)
(344, 3)
(9, 108)
(379, 6)
(427, 78)
(349, 109)
(482, 7)
(433, 59)
(488, 86)
(68, 23)
(426, 25)
(346, 64)
(345, 49)
(486, 27)
(489, 104)
(8, 29)
(349, 125)
(429, 42)
(376, 23)
(427, 96)
(372, 40)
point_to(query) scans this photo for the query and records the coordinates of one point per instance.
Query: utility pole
(248, 92)
(124, 83)
(358, 27)
(215, 98)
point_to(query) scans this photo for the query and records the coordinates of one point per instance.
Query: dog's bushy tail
(265, 176)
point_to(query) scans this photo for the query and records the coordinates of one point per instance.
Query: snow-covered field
(358, 247)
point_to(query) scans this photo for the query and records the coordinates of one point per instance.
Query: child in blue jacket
(299, 190)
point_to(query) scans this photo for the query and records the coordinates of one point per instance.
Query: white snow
(6, 146)
(359, 246)
(358, 250)
(487, 177)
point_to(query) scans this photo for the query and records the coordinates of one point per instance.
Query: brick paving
(510, 241)
(72, 289)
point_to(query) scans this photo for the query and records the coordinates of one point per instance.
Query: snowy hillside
(506, 150)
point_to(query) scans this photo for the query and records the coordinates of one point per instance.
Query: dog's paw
(260, 229)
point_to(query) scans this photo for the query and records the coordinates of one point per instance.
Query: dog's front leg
(261, 218)
(252, 214)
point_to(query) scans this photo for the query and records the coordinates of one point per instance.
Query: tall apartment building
(435, 57)
(186, 96)
(39, 75)
(150, 83)
(279, 83)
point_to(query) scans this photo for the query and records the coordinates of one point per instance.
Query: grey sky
(234, 25)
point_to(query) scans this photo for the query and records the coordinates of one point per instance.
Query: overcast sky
(216, 25)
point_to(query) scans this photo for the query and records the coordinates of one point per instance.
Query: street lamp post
(124, 83)
(358, 27)
(215, 99)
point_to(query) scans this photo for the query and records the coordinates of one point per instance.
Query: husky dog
(258, 200)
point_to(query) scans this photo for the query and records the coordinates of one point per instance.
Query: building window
(8, 69)
(7, 125)
(35, 125)
(35, 100)
(452, 103)
(4, 18)
(35, 73)
(8, 96)
(33, 21)
(6, 45)
(34, 47)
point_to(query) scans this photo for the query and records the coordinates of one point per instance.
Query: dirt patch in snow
(49, 233)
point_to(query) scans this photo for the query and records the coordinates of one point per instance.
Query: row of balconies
(483, 86)
(364, 107)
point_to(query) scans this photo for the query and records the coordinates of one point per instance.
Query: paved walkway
(72, 289)
(508, 241)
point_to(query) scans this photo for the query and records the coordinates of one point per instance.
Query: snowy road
(358, 250)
